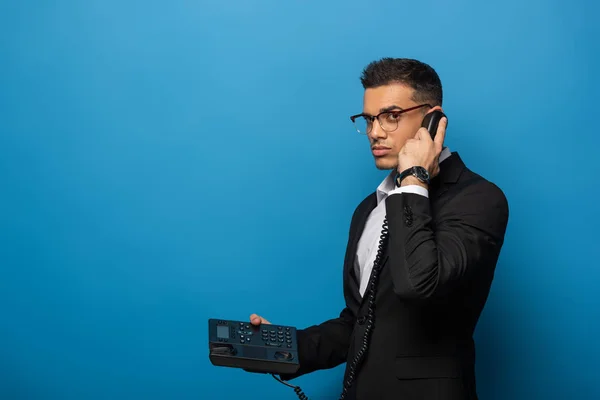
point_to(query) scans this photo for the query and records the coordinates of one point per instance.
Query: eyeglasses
(388, 120)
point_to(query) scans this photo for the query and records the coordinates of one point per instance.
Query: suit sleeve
(430, 258)
(325, 345)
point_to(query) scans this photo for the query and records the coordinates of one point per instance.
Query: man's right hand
(257, 320)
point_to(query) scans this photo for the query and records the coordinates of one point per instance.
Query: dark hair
(416, 74)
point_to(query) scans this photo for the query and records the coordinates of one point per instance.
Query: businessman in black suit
(416, 301)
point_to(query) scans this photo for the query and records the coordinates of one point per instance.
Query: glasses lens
(362, 125)
(389, 121)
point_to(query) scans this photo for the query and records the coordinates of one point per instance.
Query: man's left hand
(422, 151)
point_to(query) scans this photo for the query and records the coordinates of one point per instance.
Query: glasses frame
(372, 118)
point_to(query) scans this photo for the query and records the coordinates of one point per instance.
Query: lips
(379, 151)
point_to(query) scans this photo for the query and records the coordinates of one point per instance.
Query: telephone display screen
(223, 331)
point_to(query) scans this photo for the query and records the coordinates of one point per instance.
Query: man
(444, 235)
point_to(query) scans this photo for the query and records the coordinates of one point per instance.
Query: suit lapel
(363, 214)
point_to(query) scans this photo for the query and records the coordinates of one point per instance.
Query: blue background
(163, 163)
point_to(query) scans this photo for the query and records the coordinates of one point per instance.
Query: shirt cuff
(416, 189)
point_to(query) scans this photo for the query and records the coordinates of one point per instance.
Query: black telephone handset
(431, 121)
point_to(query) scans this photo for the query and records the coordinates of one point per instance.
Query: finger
(409, 146)
(423, 134)
(419, 134)
(257, 320)
(441, 132)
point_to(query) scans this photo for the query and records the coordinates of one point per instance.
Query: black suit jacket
(436, 276)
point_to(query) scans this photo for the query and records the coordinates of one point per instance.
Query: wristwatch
(418, 172)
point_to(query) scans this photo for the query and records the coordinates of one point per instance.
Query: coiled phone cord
(297, 389)
(370, 323)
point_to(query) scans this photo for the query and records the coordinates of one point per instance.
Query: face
(385, 146)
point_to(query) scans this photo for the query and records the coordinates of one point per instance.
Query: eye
(393, 116)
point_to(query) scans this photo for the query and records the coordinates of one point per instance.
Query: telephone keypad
(265, 335)
(276, 336)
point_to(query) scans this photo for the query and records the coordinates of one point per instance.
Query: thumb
(257, 320)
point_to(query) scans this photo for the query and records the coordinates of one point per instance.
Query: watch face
(422, 174)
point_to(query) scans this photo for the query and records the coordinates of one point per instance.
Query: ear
(432, 109)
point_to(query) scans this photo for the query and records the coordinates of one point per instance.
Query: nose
(376, 132)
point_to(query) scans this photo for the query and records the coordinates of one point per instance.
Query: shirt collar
(385, 187)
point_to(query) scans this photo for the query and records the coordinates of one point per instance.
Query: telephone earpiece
(431, 121)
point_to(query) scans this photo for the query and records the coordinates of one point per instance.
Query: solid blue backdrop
(163, 163)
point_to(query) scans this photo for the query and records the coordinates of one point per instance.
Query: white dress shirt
(369, 240)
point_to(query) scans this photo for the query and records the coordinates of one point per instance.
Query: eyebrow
(390, 108)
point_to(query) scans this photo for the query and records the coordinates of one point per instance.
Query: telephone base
(263, 349)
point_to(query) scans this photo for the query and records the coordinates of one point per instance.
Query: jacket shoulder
(474, 183)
